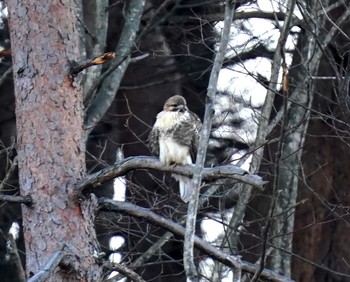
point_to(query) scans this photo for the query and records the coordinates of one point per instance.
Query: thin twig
(9, 173)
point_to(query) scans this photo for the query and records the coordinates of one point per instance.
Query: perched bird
(174, 137)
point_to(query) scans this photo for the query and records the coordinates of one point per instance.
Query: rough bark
(49, 111)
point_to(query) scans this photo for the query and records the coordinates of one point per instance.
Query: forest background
(69, 129)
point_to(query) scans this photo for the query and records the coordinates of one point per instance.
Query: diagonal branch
(178, 230)
(48, 268)
(274, 16)
(162, 240)
(10, 172)
(143, 162)
(127, 272)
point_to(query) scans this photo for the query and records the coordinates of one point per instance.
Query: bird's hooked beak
(180, 108)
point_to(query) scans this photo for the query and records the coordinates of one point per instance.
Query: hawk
(174, 137)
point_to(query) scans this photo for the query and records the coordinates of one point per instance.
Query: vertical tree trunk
(50, 138)
(289, 162)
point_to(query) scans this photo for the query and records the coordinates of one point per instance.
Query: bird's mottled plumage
(174, 137)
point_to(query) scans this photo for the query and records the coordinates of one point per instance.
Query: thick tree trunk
(50, 138)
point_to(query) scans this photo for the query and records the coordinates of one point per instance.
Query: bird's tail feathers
(185, 185)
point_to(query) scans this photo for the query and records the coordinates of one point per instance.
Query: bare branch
(9, 173)
(123, 270)
(77, 67)
(16, 199)
(142, 162)
(178, 230)
(48, 268)
(259, 50)
(274, 16)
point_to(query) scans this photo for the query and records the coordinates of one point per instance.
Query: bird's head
(175, 103)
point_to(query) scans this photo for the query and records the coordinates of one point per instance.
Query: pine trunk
(49, 111)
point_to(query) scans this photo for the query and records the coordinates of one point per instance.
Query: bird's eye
(174, 107)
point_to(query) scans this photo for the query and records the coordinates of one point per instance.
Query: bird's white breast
(166, 120)
(171, 152)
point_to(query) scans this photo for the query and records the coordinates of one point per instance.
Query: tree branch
(10, 172)
(123, 270)
(178, 230)
(274, 16)
(77, 67)
(48, 268)
(144, 162)
(259, 50)
(16, 199)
